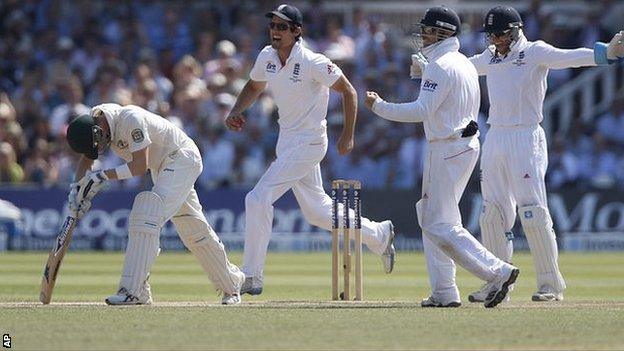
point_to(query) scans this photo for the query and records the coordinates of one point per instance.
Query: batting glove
(72, 199)
(90, 185)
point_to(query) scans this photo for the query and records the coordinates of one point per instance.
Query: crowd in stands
(188, 60)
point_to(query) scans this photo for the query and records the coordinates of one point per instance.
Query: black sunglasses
(279, 26)
(498, 34)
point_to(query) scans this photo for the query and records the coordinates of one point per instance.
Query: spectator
(72, 94)
(10, 170)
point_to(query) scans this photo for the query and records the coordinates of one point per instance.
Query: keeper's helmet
(85, 137)
(501, 21)
(440, 22)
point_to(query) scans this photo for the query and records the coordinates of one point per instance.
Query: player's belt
(471, 129)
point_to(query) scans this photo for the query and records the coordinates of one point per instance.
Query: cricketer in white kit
(515, 158)
(148, 141)
(447, 105)
(299, 80)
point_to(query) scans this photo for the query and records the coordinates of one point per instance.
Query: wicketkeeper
(515, 157)
(148, 141)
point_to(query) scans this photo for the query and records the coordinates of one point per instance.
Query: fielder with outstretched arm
(299, 80)
(447, 105)
(515, 157)
(148, 141)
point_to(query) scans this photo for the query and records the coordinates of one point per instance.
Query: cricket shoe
(124, 297)
(500, 287)
(251, 286)
(234, 299)
(388, 256)
(546, 293)
(432, 302)
(480, 295)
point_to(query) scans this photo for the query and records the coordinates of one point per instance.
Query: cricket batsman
(447, 105)
(300, 81)
(515, 157)
(148, 141)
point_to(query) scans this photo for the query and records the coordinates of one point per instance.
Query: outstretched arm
(601, 54)
(349, 110)
(235, 120)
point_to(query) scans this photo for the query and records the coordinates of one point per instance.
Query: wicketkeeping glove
(615, 50)
(419, 63)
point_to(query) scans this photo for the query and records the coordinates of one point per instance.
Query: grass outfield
(294, 311)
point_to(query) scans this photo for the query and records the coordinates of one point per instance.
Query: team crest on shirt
(429, 85)
(330, 68)
(296, 72)
(520, 60)
(271, 67)
(137, 135)
(122, 144)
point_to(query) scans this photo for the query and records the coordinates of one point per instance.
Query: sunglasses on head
(278, 26)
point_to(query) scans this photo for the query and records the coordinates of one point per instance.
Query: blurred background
(188, 60)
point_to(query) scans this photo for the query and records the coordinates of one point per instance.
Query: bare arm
(349, 110)
(235, 120)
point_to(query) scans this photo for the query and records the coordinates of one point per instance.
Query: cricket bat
(56, 257)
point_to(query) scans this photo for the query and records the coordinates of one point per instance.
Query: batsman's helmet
(84, 136)
(500, 19)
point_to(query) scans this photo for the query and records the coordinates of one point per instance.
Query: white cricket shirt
(449, 94)
(134, 128)
(300, 87)
(517, 82)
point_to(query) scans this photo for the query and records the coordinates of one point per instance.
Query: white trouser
(448, 167)
(175, 180)
(174, 183)
(513, 168)
(297, 168)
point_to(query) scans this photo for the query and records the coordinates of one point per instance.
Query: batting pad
(202, 241)
(493, 232)
(144, 224)
(537, 226)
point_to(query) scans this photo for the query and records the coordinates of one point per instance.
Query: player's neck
(284, 52)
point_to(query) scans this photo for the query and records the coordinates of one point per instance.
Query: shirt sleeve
(434, 89)
(258, 71)
(136, 129)
(555, 58)
(324, 71)
(481, 62)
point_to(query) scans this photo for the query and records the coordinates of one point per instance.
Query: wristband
(123, 171)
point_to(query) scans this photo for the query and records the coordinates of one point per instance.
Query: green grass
(292, 313)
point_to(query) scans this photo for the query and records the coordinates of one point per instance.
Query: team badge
(137, 135)
(296, 72)
(528, 214)
(520, 60)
